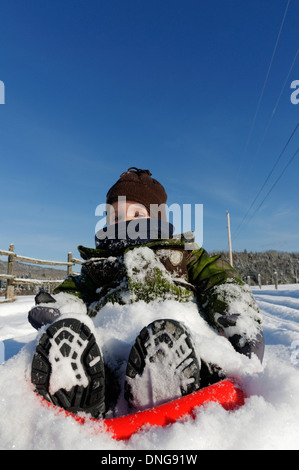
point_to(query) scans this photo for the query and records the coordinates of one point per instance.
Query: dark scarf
(134, 232)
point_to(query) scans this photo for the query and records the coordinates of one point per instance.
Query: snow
(239, 299)
(149, 388)
(268, 420)
(141, 263)
(63, 375)
(118, 325)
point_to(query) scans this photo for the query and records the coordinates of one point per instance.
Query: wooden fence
(12, 280)
(260, 280)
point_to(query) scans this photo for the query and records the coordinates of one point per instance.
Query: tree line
(266, 264)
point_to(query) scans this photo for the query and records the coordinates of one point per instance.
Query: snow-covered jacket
(168, 269)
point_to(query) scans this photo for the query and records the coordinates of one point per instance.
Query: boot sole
(167, 343)
(71, 341)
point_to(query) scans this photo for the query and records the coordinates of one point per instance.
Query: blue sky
(175, 86)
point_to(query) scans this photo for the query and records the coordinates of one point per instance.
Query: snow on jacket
(165, 269)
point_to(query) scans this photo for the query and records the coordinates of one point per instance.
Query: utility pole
(229, 240)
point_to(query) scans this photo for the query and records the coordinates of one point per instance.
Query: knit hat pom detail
(137, 185)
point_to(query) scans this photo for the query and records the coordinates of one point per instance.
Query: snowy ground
(268, 420)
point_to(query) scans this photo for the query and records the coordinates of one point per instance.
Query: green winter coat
(164, 269)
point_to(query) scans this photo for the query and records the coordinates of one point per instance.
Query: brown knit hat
(137, 185)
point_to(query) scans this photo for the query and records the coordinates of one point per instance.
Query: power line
(275, 183)
(268, 177)
(275, 107)
(264, 86)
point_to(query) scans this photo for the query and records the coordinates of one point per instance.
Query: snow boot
(44, 298)
(162, 365)
(68, 369)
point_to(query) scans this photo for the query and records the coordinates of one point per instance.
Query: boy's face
(125, 210)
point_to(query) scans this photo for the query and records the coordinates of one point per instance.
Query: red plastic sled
(227, 393)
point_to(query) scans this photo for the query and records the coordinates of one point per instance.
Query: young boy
(138, 260)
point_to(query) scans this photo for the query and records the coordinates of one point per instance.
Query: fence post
(10, 282)
(259, 281)
(69, 268)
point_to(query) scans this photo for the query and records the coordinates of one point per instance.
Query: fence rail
(259, 280)
(12, 280)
